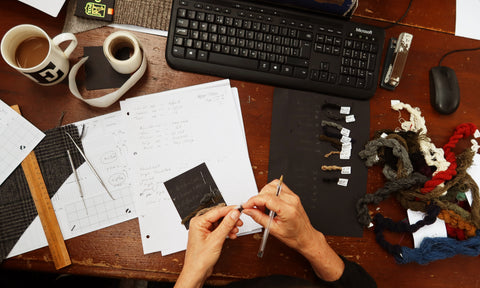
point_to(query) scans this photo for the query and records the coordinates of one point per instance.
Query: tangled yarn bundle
(428, 179)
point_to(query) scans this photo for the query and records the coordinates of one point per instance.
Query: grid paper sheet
(18, 137)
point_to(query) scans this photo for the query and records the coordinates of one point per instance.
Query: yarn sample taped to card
(18, 137)
(315, 140)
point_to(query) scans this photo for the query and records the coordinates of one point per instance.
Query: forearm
(324, 260)
(190, 279)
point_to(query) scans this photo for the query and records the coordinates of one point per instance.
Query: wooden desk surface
(117, 252)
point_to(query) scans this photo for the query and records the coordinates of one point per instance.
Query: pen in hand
(266, 232)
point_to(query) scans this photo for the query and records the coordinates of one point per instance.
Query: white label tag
(345, 110)
(345, 155)
(347, 146)
(346, 139)
(345, 132)
(342, 182)
(350, 118)
(347, 170)
(394, 102)
(384, 135)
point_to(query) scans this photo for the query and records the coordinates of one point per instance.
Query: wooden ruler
(45, 210)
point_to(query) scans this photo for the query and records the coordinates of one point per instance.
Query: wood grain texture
(117, 251)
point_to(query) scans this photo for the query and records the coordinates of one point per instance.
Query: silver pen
(90, 166)
(266, 232)
(76, 179)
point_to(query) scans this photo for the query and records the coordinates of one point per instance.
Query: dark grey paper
(298, 154)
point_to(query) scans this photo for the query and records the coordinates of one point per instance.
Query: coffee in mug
(29, 50)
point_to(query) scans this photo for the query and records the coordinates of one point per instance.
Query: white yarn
(474, 145)
(433, 156)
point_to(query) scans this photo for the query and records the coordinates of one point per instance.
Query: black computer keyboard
(286, 48)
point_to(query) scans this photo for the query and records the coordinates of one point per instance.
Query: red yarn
(462, 131)
(455, 233)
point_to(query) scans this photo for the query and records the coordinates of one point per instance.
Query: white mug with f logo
(29, 50)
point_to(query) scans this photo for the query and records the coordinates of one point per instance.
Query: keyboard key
(182, 13)
(178, 41)
(191, 54)
(181, 31)
(264, 66)
(178, 51)
(297, 61)
(275, 68)
(233, 61)
(183, 23)
(286, 70)
(202, 55)
(300, 72)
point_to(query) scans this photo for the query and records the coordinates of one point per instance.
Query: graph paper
(18, 137)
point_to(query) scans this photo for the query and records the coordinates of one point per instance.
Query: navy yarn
(432, 249)
(382, 223)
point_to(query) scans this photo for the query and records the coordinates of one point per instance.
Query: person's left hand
(205, 241)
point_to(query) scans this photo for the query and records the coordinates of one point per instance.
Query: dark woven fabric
(17, 209)
(154, 14)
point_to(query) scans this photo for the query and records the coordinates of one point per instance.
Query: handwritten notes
(172, 132)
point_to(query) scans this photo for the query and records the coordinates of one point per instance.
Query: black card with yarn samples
(297, 152)
(193, 191)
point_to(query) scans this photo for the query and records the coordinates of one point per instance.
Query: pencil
(266, 232)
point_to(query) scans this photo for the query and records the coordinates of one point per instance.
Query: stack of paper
(154, 138)
(174, 131)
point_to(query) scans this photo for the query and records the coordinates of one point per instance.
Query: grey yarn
(371, 156)
(332, 124)
(383, 193)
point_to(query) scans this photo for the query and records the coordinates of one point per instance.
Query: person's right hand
(291, 225)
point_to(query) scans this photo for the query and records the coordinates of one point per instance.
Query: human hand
(292, 226)
(205, 240)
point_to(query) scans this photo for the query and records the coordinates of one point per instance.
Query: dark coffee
(31, 52)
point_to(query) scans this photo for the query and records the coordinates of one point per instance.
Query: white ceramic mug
(53, 64)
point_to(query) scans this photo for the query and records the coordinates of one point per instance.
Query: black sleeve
(353, 276)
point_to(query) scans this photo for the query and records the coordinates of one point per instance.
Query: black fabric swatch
(193, 191)
(17, 209)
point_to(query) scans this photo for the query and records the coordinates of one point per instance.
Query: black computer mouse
(444, 90)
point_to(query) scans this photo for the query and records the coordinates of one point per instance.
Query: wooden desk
(117, 252)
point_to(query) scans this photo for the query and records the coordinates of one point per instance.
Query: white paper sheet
(51, 7)
(437, 229)
(174, 131)
(18, 138)
(467, 20)
(474, 171)
(105, 146)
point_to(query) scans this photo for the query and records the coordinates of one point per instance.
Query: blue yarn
(432, 249)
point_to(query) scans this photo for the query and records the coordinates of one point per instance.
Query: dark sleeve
(353, 276)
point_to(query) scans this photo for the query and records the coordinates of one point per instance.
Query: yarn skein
(462, 131)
